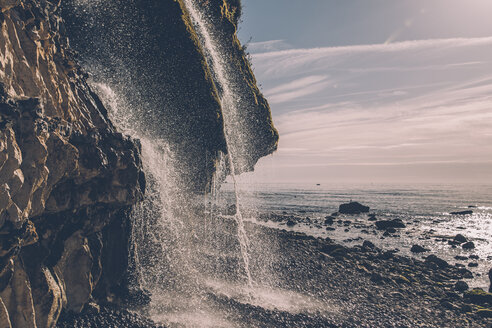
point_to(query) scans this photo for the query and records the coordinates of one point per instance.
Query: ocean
(425, 209)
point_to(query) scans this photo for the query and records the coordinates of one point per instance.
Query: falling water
(183, 251)
(229, 101)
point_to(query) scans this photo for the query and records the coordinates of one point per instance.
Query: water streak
(229, 101)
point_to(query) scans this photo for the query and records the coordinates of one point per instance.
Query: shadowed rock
(353, 208)
(418, 249)
(462, 213)
(386, 224)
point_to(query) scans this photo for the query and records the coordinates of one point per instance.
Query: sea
(424, 208)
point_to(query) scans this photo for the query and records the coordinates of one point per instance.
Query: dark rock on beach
(329, 220)
(461, 286)
(291, 223)
(478, 296)
(418, 249)
(353, 208)
(468, 245)
(385, 224)
(462, 212)
(459, 238)
(436, 260)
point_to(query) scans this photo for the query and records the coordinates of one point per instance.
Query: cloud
(293, 60)
(297, 88)
(424, 102)
(268, 46)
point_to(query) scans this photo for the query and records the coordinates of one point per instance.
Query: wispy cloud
(407, 103)
(283, 61)
(268, 46)
(298, 88)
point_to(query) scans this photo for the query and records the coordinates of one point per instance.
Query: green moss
(478, 291)
(478, 296)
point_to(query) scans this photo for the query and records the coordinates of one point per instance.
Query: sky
(375, 91)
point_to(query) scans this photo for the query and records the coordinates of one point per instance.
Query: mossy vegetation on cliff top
(257, 113)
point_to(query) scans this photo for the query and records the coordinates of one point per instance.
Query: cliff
(150, 53)
(68, 178)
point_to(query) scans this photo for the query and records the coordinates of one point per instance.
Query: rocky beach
(360, 286)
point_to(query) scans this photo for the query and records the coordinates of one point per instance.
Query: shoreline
(361, 286)
(351, 230)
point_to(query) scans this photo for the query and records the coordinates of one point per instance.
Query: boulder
(461, 286)
(329, 220)
(385, 224)
(291, 223)
(465, 273)
(436, 260)
(418, 249)
(353, 208)
(478, 296)
(459, 238)
(368, 244)
(468, 245)
(468, 212)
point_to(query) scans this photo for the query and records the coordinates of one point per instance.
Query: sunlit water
(423, 208)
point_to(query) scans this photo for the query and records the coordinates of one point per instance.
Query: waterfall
(185, 247)
(229, 100)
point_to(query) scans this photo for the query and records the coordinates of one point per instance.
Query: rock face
(67, 178)
(165, 77)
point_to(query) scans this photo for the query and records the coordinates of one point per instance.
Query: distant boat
(318, 184)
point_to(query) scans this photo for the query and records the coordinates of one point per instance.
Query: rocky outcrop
(253, 118)
(353, 208)
(150, 53)
(67, 178)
